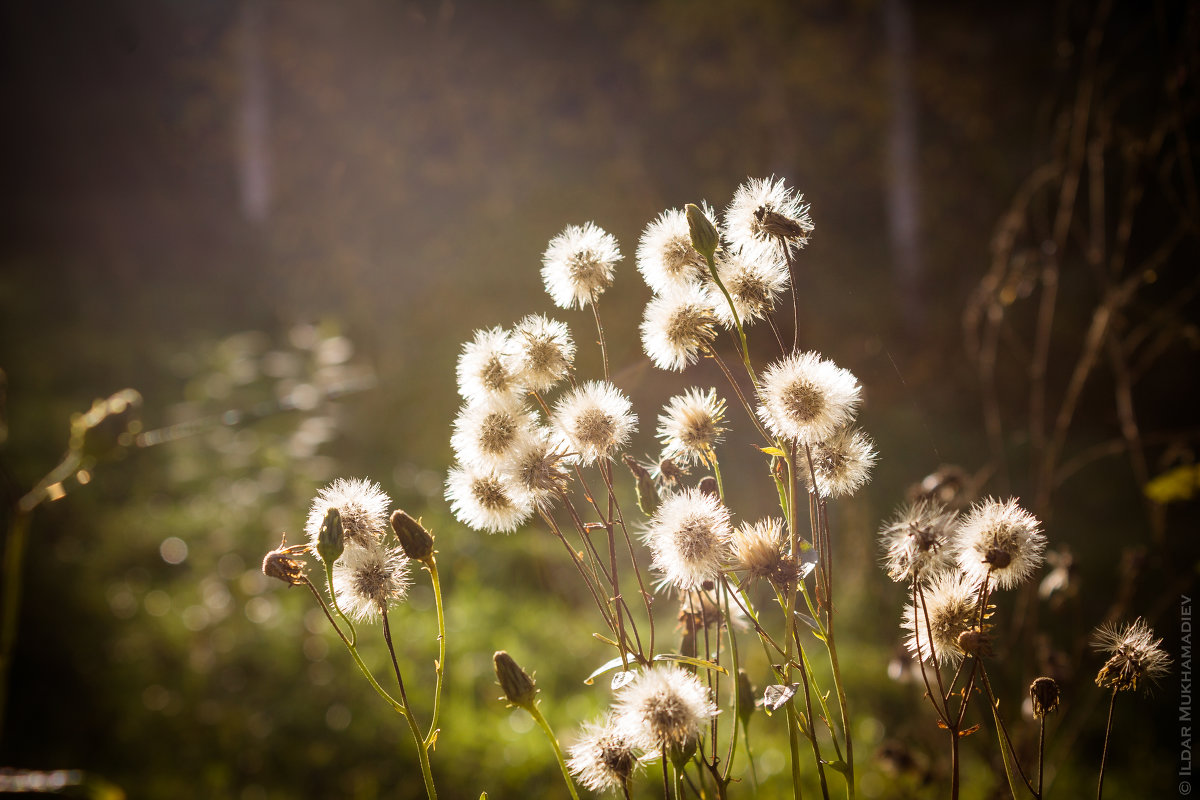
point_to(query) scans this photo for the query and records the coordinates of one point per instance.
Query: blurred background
(299, 211)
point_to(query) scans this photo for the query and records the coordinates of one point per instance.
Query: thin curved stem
(1104, 756)
(558, 754)
(431, 565)
(422, 748)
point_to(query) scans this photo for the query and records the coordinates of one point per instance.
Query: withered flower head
(1044, 694)
(281, 564)
(1133, 654)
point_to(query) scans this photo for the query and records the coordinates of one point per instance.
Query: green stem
(422, 747)
(336, 607)
(391, 701)
(733, 654)
(712, 270)
(431, 565)
(562, 764)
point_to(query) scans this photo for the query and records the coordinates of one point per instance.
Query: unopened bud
(281, 565)
(331, 539)
(1044, 694)
(708, 485)
(416, 541)
(975, 643)
(518, 687)
(704, 235)
(647, 493)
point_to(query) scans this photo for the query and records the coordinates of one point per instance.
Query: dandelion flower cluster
(999, 542)
(665, 256)
(487, 432)
(603, 757)
(916, 543)
(1133, 655)
(485, 500)
(677, 326)
(691, 426)
(689, 538)
(764, 212)
(806, 398)
(578, 265)
(759, 550)
(842, 463)
(663, 707)
(369, 575)
(754, 282)
(484, 370)
(593, 421)
(950, 606)
(542, 352)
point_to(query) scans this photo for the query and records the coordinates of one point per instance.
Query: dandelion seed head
(363, 506)
(488, 431)
(806, 398)
(537, 468)
(950, 600)
(765, 212)
(842, 462)
(677, 326)
(754, 282)
(1133, 655)
(916, 543)
(689, 538)
(542, 352)
(593, 421)
(602, 757)
(369, 579)
(691, 425)
(578, 265)
(663, 706)
(483, 367)
(1001, 542)
(760, 552)
(665, 256)
(483, 500)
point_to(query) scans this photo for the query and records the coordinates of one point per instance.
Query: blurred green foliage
(420, 155)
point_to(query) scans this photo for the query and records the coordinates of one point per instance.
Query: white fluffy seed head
(806, 398)
(689, 538)
(363, 506)
(488, 431)
(677, 326)
(1001, 542)
(665, 256)
(484, 500)
(951, 603)
(537, 469)
(842, 462)
(367, 580)
(765, 214)
(917, 542)
(691, 426)
(754, 282)
(602, 757)
(1133, 654)
(663, 706)
(484, 367)
(760, 552)
(594, 420)
(542, 352)
(578, 265)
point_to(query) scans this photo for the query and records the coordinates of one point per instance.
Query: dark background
(198, 193)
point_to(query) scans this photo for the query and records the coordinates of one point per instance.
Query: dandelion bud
(681, 754)
(416, 541)
(279, 564)
(647, 494)
(107, 428)
(1044, 694)
(704, 235)
(331, 538)
(708, 485)
(518, 687)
